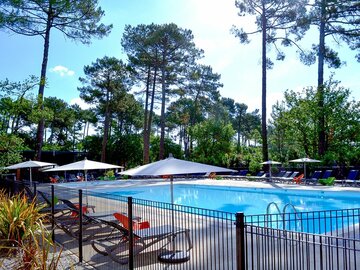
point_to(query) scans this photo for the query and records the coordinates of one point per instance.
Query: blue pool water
(250, 201)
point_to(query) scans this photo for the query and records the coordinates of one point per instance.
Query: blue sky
(210, 21)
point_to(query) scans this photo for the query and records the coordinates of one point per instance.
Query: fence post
(131, 237)
(240, 241)
(53, 213)
(80, 226)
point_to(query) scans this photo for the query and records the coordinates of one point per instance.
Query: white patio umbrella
(84, 165)
(29, 164)
(173, 166)
(270, 162)
(305, 160)
(170, 167)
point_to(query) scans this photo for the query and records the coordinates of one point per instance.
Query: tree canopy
(78, 20)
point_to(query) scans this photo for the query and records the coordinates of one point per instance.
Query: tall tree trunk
(181, 134)
(146, 149)
(320, 89)
(152, 106)
(74, 136)
(263, 98)
(16, 127)
(162, 115)
(186, 144)
(238, 134)
(106, 128)
(85, 130)
(40, 129)
(51, 137)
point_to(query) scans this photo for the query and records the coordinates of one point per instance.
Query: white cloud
(81, 103)
(62, 71)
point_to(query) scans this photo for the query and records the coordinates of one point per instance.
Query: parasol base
(177, 256)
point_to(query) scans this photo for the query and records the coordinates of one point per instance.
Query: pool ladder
(282, 214)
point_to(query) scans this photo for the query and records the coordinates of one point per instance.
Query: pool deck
(243, 183)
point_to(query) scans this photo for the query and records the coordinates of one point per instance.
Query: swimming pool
(250, 201)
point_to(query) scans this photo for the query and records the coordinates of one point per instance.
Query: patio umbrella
(305, 160)
(270, 162)
(29, 164)
(170, 167)
(84, 165)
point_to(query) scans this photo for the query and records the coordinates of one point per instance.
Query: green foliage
(78, 21)
(23, 234)
(294, 127)
(105, 85)
(342, 24)
(16, 105)
(253, 157)
(170, 148)
(213, 140)
(109, 175)
(126, 150)
(276, 21)
(162, 56)
(92, 145)
(10, 146)
(19, 220)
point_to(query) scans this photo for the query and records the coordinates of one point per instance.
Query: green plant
(109, 175)
(23, 234)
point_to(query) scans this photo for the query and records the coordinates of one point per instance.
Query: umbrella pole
(270, 171)
(173, 256)
(30, 177)
(172, 209)
(85, 177)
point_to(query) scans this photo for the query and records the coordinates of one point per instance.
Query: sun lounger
(241, 174)
(29, 193)
(69, 223)
(238, 175)
(75, 207)
(261, 175)
(136, 223)
(91, 225)
(284, 175)
(290, 178)
(326, 174)
(116, 244)
(60, 209)
(327, 181)
(314, 178)
(350, 179)
(43, 201)
(280, 174)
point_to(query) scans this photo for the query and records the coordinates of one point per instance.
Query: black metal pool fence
(203, 238)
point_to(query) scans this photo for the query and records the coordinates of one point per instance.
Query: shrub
(23, 234)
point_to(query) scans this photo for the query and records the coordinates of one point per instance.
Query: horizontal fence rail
(156, 235)
(268, 248)
(344, 223)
